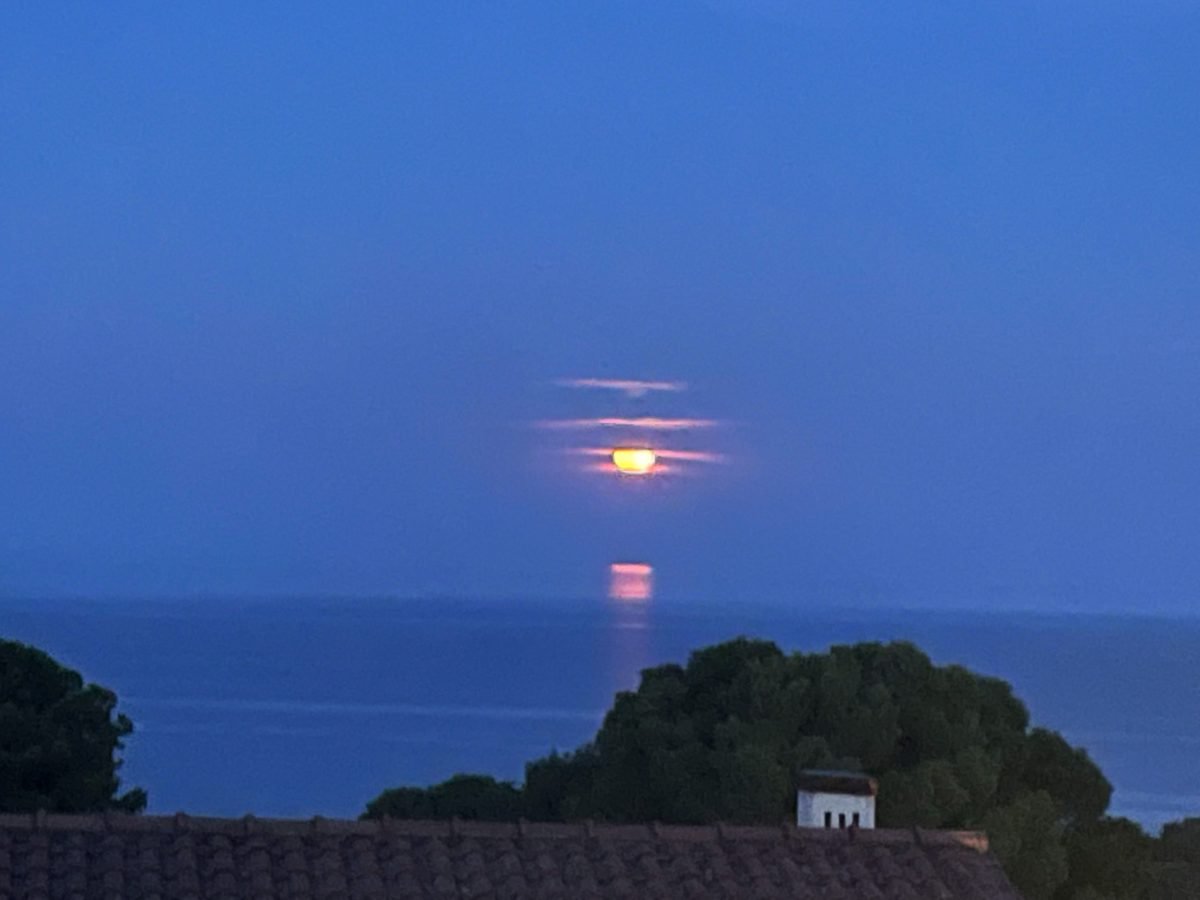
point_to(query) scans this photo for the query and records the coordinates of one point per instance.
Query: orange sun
(634, 460)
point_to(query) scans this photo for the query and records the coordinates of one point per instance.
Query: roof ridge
(588, 829)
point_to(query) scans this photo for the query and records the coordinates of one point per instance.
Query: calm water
(302, 707)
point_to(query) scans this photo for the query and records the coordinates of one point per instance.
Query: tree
(1027, 835)
(1078, 788)
(462, 797)
(1175, 869)
(59, 738)
(722, 738)
(558, 786)
(1181, 842)
(1108, 858)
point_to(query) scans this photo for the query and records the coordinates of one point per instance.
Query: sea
(312, 706)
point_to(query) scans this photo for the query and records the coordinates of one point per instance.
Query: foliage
(59, 738)
(1113, 859)
(1176, 862)
(1079, 789)
(1027, 836)
(463, 796)
(722, 738)
(1181, 842)
(1108, 858)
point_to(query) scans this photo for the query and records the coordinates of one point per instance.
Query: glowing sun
(634, 460)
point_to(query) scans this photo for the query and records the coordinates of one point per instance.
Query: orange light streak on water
(631, 582)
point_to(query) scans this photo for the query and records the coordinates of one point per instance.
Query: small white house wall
(811, 807)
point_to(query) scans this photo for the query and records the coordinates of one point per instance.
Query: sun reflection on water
(630, 588)
(631, 582)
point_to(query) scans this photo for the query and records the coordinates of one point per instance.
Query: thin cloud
(631, 386)
(702, 456)
(648, 422)
(690, 456)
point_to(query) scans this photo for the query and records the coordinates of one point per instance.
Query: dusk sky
(284, 287)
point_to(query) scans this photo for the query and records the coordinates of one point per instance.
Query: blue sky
(281, 287)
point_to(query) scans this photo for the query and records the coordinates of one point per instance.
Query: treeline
(60, 738)
(721, 739)
(717, 740)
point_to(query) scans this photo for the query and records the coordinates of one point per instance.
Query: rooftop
(836, 782)
(115, 855)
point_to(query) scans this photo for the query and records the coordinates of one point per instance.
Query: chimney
(829, 799)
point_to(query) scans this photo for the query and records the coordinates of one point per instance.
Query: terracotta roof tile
(145, 857)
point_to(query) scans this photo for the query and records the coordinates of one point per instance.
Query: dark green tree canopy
(463, 797)
(1181, 842)
(1108, 858)
(59, 738)
(722, 739)
(1176, 862)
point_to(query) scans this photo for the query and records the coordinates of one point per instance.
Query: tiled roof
(46, 857)
(834, 782)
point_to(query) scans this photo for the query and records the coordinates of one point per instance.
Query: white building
(827, 799)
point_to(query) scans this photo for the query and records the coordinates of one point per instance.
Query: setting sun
(634, 460)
